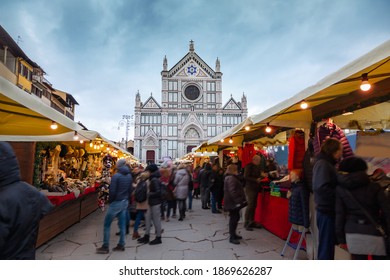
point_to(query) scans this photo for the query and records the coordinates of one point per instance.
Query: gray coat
(181, 184)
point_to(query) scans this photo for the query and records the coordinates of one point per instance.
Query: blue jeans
(116, 209)
(326, 236)
(138, 218)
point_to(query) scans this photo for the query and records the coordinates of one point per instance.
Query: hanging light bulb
(222, 140)
(304, 105)
(53, 125)
(231, 140)
(365, 85)
(247, 128)
(81, 141)
(75, 136)
(268, 129)
(90, 144)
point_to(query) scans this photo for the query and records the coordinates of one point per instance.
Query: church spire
(165, 64)
(192, 48)
(217, 65)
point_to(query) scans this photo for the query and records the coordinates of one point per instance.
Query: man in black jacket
(119, 192)
(21, 209)
(253, 173)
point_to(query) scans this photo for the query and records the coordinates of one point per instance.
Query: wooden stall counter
(66, 214)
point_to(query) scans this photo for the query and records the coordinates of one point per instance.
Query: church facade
(191, 110)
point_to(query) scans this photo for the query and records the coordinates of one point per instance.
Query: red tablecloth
(89, 190)
(57, 200)
(272, 214)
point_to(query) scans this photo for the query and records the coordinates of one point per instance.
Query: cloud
(102, 52)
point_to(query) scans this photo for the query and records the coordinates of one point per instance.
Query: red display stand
(272, 214)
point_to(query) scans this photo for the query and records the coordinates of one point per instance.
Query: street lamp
(126, 121)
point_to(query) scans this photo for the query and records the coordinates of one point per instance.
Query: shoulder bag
(366, 244)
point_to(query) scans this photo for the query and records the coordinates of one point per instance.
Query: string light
(268, 129)
(247, 128)
(53, 125)
(222, 140)
(365, 85)
(304, 105)
(75, 136)
(231, 140)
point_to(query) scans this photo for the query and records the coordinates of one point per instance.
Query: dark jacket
(251, 173)
(216, 181)
(21, 209)
(233, 192)
(298, 205)
(154, 194)
(121, 184)
(349, 216)
(204, 176)
(324, 184)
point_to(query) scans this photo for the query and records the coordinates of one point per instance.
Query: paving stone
(61, 249)
(201, 236)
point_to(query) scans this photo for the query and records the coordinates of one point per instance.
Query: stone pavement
(201, 236)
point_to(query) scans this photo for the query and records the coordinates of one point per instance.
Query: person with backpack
(154, 201)
(140, 196)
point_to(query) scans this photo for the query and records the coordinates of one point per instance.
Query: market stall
(333, 104)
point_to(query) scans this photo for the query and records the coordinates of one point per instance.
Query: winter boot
(233, 240)
(144, 239)
(157, 240)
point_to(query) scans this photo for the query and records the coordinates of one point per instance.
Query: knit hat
(151, 168)
(120, 163)
(353, 164)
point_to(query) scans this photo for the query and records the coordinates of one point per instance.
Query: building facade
(191, 110)
(19, 69)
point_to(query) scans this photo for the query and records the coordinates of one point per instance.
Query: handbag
(366, 244)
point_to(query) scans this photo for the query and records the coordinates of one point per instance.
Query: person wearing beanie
(22, 207)
(350, 218)
(119, 192)
(154, 200)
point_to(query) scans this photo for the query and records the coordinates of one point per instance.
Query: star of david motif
(191, 69)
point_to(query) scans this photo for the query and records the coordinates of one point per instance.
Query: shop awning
(88, 137)
(336, 96)
(22, 113)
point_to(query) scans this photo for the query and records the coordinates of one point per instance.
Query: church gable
(151, 135)
(192, 122)
(151, 103)
(191, 66)
(191, 119)
(232, 105)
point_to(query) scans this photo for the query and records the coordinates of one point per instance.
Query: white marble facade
(191, 110)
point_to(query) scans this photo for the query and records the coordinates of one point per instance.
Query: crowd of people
(170, 190)
(350, 205)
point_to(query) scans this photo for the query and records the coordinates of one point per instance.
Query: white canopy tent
(337, 96)
(22, 113)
